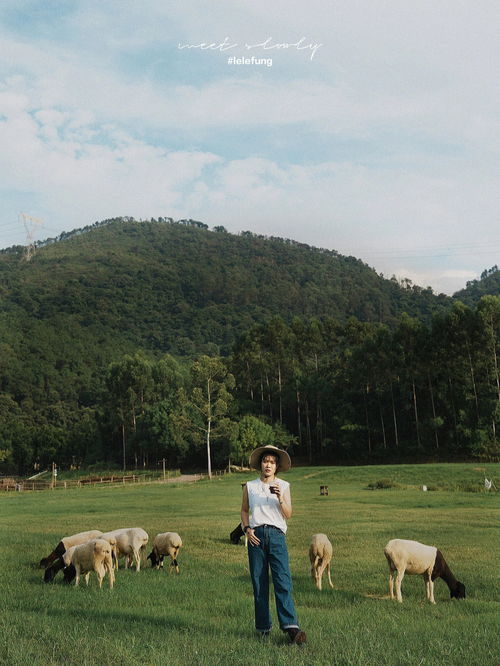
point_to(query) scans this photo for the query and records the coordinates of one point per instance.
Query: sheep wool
(95, 555)
(67, 542)
(320, 555)
(412, 557)
(130, 542)
(166, 543)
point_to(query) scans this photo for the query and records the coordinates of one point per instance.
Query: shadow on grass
(125, 618)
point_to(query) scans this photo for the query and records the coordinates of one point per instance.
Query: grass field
(205, 615)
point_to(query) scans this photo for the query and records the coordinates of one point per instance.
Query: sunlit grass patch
(205, 614)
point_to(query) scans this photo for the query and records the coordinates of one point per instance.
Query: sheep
(95, 555)
(412, 557)
(236, 534)
(130, 542)
(65, 543)
(167, 543)
(320, 555)
(52, 570)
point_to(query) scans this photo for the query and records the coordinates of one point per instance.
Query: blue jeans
(271, 552)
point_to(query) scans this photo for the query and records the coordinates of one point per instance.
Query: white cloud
(93, 103)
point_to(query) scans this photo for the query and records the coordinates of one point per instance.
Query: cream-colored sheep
(412, 557)
(130, 543)
(95, 555)
(166, 543)
(320, 555)
(65, 543)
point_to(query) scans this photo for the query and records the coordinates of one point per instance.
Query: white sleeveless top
(264, 506)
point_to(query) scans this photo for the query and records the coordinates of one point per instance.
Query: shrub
(383, 484)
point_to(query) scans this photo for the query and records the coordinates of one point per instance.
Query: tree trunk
(209, 424)
(124, 446)
(415, 409)
(473, 379)
(455, 425)
(250, 386)
(299, 424)
(368, 431)
(308, 430)
(261, 394)
(433, 410)
(209, 460)
(382, 423)
(269, 401)
(279, 393)
(394, 418)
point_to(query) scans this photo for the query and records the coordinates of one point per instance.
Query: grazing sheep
(95, 555)
(236, 534)
(320, 554)
(130, 543)
(65, 543)
(52, 570)
(167, 543)
(412, 557)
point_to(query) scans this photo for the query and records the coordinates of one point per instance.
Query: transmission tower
(30, 226)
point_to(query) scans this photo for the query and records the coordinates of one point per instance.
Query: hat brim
(284, 459)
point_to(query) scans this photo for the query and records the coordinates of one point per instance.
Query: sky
(369, 127)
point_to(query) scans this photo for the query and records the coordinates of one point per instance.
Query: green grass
(205, 615)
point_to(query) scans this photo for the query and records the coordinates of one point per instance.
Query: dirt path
(184, 478)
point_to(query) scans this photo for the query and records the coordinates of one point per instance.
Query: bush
(383, 484)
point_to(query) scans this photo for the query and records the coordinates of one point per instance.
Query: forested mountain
(489, 284)
(176, 287)
(110, 335)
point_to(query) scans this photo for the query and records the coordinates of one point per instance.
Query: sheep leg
(108, 566)
(87, 578)
(329, 577)
(399, 580)
(391, 583)
(320, 571)
(77, 576)
(429, 587)
(318, 580)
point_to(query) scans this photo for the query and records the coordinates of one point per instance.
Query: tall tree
(210, 399)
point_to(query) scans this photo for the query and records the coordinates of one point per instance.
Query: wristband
(247, 527)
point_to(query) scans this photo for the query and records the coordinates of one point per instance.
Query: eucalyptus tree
(128, 382)
(410, 335)
(210, 399)
(489, 312)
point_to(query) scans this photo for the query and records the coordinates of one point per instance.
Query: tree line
(333, 391)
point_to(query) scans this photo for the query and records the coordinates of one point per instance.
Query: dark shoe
(297, 636)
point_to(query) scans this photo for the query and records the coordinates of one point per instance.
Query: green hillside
(177, 287)
(108, 335)
(489, 284)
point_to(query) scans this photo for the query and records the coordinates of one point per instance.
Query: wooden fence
(21, 485)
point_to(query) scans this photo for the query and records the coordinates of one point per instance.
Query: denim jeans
(271, 553)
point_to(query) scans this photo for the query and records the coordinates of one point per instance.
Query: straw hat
(284, 459)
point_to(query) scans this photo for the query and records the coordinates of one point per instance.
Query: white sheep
(95, 555)
(412, 557)
(130, 543)
(66, 542)
(320, 554)
(166, 543)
